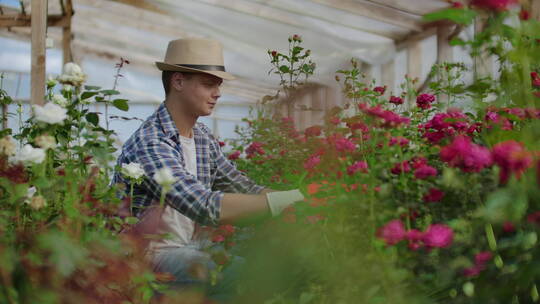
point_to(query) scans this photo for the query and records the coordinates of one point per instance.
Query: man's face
(200, 93)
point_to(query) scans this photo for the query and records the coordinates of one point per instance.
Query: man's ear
(177, 81)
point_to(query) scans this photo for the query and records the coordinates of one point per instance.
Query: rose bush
(436, 200)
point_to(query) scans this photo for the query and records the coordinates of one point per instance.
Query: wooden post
(66, 34)
(39, 27)
(444, 53)
(444, 49)
(367, 69)
(535, 9)
(483, 64)
(414, 65)
(388, 75)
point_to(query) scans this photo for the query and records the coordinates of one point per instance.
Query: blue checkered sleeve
(189, 196)
(228, 178)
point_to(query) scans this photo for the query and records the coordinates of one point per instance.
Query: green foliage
(457, 15)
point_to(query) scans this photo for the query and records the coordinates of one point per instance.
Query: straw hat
(195, 55)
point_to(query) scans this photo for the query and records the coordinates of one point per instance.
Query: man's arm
(190, 197)
(237, 208)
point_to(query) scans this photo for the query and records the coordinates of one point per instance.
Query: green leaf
(92, 118)
(284, 69)
(505, 205)
(109, 92)
(86, 95)
(131, 220)
(66, 254)
(459, 16)
(121, 104)
(92, 88)
(457, 42)
(297, 49)
(306, 297)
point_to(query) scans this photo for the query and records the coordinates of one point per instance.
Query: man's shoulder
(206, 130)
(148, 131)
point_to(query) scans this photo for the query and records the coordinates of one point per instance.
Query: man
(209, 189)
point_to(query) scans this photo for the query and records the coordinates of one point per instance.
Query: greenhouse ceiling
(335, 31)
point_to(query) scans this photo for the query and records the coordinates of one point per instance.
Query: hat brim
(171, 67)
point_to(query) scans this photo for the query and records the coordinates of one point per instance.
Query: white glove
(279, 200)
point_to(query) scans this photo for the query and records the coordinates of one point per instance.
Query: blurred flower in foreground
(29, 154)
(164, 177)
(7, 146)
(50, 113)
(132, 170)
(45, 141)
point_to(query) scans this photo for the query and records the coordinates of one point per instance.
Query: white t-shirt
(179, 227)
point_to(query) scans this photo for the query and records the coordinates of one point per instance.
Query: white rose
(7, 146)
(164, 177)
(46, 142)
(72, 74)
(30, 154)
(132, 170)
(67, 88)
(72, 68)
(50, 113)
(60, 100)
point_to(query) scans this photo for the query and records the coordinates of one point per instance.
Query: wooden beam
(132, 16)
(286, 15)
(39, 27)
(377, 12)
(20, 20)
(416, 7)
(67, 56)
(414, 38)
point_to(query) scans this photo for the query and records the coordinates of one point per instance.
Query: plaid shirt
(156, 144)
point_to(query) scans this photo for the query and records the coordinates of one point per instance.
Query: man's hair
(166, 79)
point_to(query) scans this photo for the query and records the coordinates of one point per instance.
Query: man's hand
(279, 200)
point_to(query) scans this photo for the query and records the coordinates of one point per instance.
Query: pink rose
(380, 90)
(392, 233)
(511, 157)
(424, 172)
(234, 155)
(396, 100)
(467, 156)
(434, 195)
(424, 101)
(361, 166)
(493, 5)
(438, 235)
